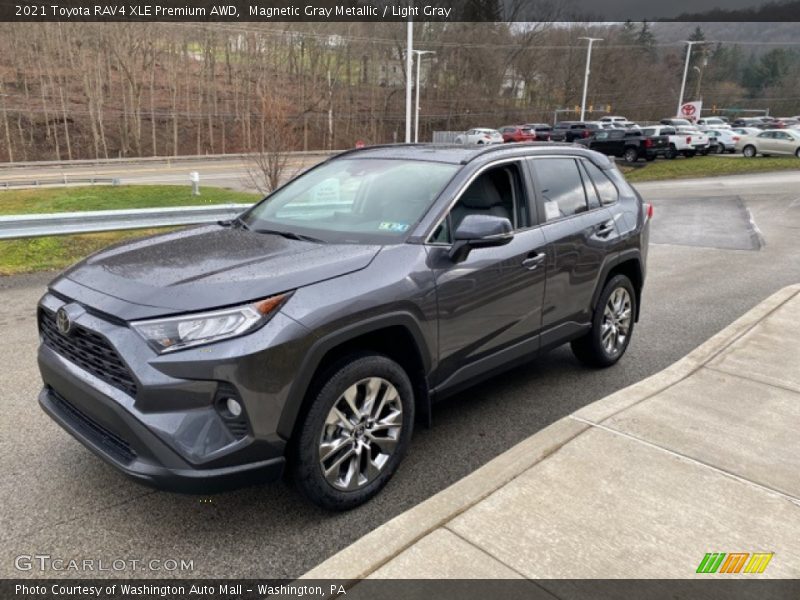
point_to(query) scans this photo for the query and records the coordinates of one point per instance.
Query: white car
(746, 130)
(726, 140)
(784, 142)
(679, 143)
(480, 136)
(615, 120)
(696, 139)
(712, 123)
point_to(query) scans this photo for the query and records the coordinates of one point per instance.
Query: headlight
(185, 331)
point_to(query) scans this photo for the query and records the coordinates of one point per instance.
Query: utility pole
(586, 75)
(419, 54)
(409, 64)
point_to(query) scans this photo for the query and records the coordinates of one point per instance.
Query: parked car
(615, 120)
(715, 146)
(308, 336)
(740, 131)
(480, 136)
(747, 122)
(712, 123)
(629, 145)
(677, 122)
(773, 141)
(570, 131)
(679, 143)
(517, 133)
(696, 139)
(725, 140)
(541, 130)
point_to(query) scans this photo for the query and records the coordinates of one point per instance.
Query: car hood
(203, 268)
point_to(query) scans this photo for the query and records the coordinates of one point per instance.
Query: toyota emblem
(63, 322)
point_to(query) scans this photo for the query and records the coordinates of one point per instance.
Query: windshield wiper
(290, 235)
(235, 222)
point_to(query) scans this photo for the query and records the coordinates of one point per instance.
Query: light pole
(685, 73)
(586, 76)
(409, 64)
(419, 54)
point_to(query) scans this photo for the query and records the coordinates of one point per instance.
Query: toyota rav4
(310, 333)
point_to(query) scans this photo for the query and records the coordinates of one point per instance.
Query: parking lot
(725, 244)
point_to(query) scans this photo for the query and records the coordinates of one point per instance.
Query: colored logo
(735, 562)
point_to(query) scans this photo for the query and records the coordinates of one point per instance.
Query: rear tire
(612, 325)
(355, 433)
(672, 153)
(631, 155)
(689, 153)
(720, 149)
(797, 153)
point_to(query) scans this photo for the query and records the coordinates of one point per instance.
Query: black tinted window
(605, 188)
(561, 187)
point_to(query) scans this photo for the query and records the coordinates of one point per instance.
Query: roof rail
(496, 147)
(353, 150)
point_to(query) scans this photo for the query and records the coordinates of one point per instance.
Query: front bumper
(159, 467)
(159, 419)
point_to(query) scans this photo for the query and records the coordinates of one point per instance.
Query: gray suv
(309, 334)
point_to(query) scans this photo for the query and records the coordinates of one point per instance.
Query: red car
(517, 133)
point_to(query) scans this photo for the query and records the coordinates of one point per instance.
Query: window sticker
(551, 210)
(393, 227)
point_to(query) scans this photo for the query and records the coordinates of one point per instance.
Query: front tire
(612, 325)
(749, 151)
(355, 433)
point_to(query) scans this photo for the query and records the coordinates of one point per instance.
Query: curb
(381, 545)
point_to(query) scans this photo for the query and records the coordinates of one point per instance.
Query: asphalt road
(228, 172)
(57, 499)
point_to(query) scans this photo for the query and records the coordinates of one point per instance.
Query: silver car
(480, 135)
(783, 142)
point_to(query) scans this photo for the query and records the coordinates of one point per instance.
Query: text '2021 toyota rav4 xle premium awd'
(311, 331)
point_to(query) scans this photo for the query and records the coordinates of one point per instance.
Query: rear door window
(561, 187)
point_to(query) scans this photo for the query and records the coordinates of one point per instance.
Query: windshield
(354, 200)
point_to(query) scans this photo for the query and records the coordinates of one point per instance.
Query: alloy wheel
(360, 434)
(616, 321)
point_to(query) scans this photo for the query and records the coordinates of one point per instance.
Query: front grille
(89, 351)
(110, 442)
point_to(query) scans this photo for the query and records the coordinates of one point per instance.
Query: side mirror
(480, 231)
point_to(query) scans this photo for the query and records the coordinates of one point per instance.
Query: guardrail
(61, 181)
(42, 225)
(26, 226)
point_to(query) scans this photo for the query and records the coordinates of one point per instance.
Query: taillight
(735, 139)
(585, 133)
(688, 139)
(648, 210)
(648, 143)
(486, 137)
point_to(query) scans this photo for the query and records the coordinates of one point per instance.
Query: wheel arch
(397, 336)
(630, 265)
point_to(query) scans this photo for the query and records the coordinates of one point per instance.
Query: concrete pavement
(701, 457)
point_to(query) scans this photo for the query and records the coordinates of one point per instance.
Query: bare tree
(275, 139)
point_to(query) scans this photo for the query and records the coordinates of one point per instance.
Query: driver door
(490, 304)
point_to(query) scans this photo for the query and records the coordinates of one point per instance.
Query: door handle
(604, 229)
(532, 262)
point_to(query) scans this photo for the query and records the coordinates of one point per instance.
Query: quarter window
(605, 188)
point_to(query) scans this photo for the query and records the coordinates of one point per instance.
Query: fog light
(233, 407)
